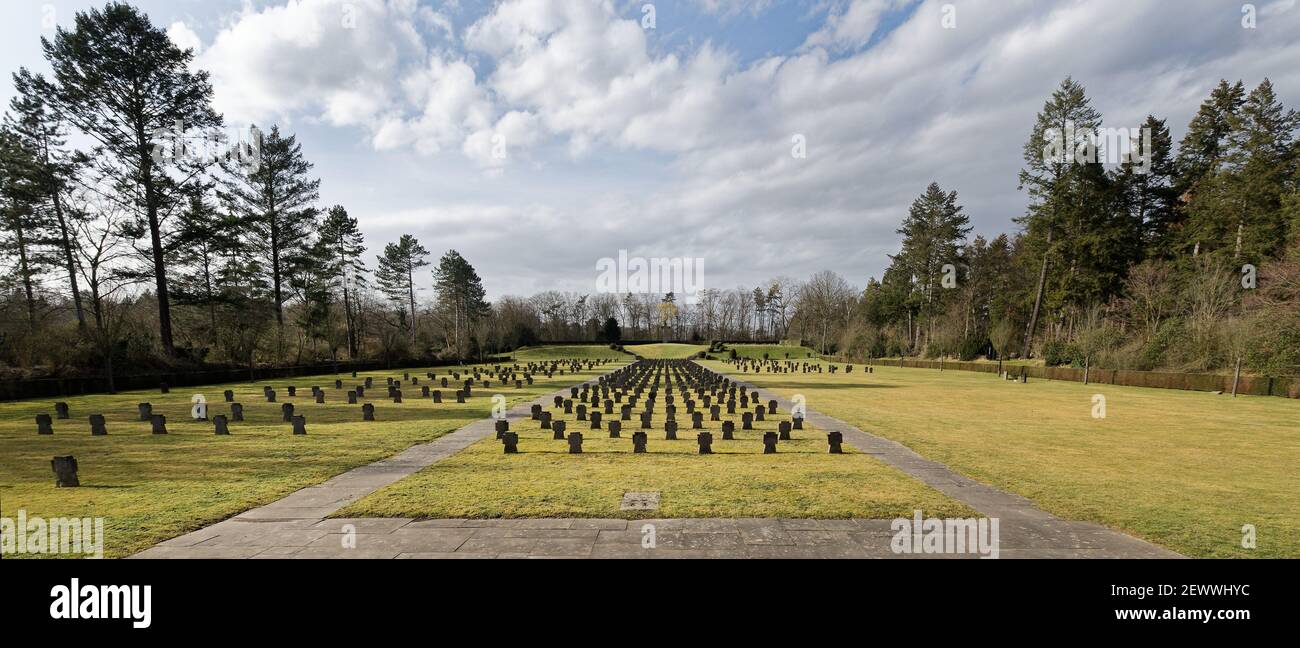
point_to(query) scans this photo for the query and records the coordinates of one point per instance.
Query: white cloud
(184, 37)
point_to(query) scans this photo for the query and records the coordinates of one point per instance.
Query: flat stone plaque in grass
(640, 502)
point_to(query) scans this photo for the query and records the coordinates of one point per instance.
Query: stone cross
(715, 413)
(546, 420)
(510, 440)
(728, 430)
(769, 443)
(747, 421)
(706, 442)
(835, 439)
(638, 442)
(670, 430)
(65, 472)
(798, 422)
(759, 412)
(558, 427)
(784, 429)
(614, 429)
(502, 426)
(595, 420)
(575, 443)
(697, 421)
(536, 410)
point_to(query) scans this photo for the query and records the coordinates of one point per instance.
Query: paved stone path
(295, 527)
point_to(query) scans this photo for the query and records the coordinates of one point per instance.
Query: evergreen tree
(1146, 180)
(460, 292)
(396, 274)
(41, 130)
(1065, 128)
(345, 245)
(22, 223)
(120, 80)
(933, 233)
(275, 199)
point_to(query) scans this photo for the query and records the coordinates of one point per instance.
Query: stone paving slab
(296, 527)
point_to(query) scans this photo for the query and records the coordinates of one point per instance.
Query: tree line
(135, 249)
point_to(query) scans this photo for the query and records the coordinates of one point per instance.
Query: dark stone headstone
(509, 441)
(43, 424)
(559, 401)
(220, 424)
(164, 388)
(361, 392)
(715, 413)
(536, 410)
(370, 382)
(747, 421)
(286, 412)
(797, 422)
(638, 441)
(292, 391)
(61, 410)
(615, 428)
(595, 420)
(352, 397)
(299, 425)
(582, 412)
(728, 430)
(783, 428)
(159, 423)
(97, 426)
(270, 395)
(397, 396)
(236, 412)
(568, 406)
(437, 395)
(320, 397)
(769, 443)
(230, 396)
(146, 410)
(65, 472)
(502, 426)
(368, 412)
(670, 430)
(625, 413)
(645, 420)
(575, 443)
(759, 412)
(697, 421)
(460, 396)
(338, 384)
(835, 439)
(558, 428)
(424, 391)
(706, 442)
(546, 420)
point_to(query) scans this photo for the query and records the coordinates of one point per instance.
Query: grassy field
(1183, 469)
(773, 351)
(801, 481)
(583, 352)
(668, 351)
(150, 488)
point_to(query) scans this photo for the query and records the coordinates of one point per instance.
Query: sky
(537, 137)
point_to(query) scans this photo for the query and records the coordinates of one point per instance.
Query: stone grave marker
(65, 472)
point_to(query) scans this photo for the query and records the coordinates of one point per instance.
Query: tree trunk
(1038, 296)
(155, 238)
(26, 272)
(72, 266)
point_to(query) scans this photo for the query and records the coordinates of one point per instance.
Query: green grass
(1182, 469)
(150, 488)
(801, 481)
(576, 351)
(773, 351)
(667, 350)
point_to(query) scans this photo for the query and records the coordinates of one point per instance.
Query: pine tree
(120, 80)
(1065, 127)
(203, 237)
(22, 223)
(396, 274)
(1146, 180)
(460, 291)
(274, 200)
(41, 130)
(933, 233)
(345, 245)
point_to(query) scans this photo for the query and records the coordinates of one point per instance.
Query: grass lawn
(150, 488)
(801, 481)
(666, 351)
(576, 352)
(1183, 469)
(773, 351)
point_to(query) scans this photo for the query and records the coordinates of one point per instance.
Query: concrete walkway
(295, 527)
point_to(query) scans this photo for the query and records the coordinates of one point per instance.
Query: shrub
(1057, 353)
